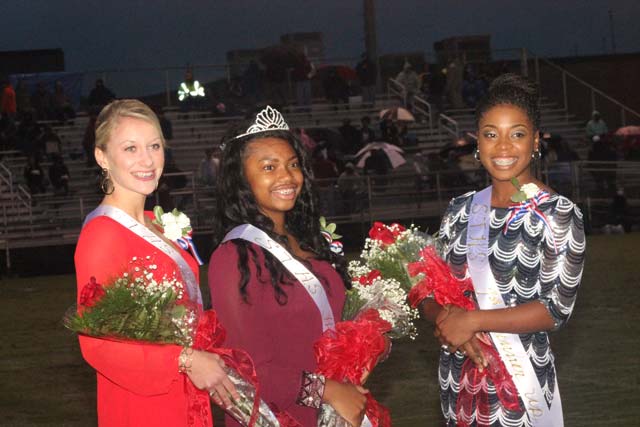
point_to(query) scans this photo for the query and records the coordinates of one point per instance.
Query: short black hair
(511, 89)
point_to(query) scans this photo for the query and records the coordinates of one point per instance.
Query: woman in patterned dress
(536, 260)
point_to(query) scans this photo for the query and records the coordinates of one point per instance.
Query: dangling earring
(476, 155)
(535, 155)
(106, 185)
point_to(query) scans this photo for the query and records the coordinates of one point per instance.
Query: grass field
(44, 381)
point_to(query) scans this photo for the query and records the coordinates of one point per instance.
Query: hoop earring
(476, 155)
(535, 155)
(106, 185)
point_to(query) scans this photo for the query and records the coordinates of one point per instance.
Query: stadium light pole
(612, 30)
(370, 36)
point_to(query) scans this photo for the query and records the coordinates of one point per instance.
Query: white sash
(509, 346)
(122, 218)
(308, 280)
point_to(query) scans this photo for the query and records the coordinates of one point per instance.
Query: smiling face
(506, 141)
(272, 170)
(134, 156)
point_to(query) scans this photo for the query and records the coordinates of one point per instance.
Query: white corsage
(525, 192)
(176, 226)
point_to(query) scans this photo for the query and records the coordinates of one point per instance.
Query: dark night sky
(136, 33)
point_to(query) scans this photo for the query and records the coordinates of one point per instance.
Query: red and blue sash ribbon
(187, 244)
(518, 210)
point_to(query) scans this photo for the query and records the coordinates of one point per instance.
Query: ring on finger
(212, 393)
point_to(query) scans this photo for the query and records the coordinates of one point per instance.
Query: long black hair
(511, 89)
(236, 205)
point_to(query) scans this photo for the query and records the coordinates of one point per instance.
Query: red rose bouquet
(412, 258)
(137, 306)
(375, 310)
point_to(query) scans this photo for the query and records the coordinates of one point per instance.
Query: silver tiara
(266, 120)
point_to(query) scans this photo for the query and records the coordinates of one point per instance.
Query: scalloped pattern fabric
(526, 268)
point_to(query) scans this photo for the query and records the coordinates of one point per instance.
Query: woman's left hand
(455, 328)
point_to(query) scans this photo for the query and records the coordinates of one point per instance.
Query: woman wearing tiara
(140, 384)
(272, 277)
(523, 248)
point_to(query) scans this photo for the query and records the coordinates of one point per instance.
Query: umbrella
(397, 113)
(628, 131)
(393, 152)
(346, 73)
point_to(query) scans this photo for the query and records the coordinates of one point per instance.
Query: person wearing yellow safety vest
(190, 92)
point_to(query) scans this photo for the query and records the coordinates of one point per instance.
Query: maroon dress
(279, 338)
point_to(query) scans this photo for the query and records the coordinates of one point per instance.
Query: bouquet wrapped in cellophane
(135, 306)
(375, 310)
(414, 259)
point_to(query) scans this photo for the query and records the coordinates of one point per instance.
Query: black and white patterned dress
(526, 268)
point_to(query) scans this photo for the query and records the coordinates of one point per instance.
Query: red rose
(91, 293)
(381, 233)
(396, 229)
(385, 234)
(369, 278)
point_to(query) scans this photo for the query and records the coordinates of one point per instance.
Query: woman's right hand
(207, 373)
(347, 399)
(473, 351)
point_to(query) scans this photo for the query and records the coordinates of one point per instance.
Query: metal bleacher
(52, 220)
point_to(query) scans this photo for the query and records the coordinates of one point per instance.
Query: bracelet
(312, 390)
(185, 360)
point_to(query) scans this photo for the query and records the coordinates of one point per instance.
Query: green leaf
(158, 212)
(335, 236)
(519, 197)
(175, 212)
(323, 222)
(515, 182)
(331, 228)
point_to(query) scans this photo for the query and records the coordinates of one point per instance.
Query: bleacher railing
(421, 106)
(578, 96)
(449, 125)
(6, 176)
(397, 89)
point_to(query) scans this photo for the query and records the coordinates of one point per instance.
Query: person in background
(50, 142)
(59, 176)
(596, 127)
(367, 76)
(100, 96)
(367, 133)
(351, 189)
(410, 81)
(34, 175)
(42, 102)
(208, 169)
(351, 141)
(8, 105)
(62, 108)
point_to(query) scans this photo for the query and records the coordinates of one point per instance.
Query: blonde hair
(110, 115)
